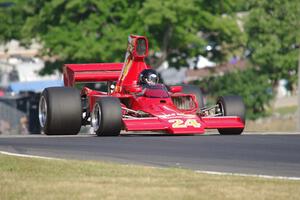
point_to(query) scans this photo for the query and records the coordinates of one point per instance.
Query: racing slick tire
(232, 106)
(192, 89)
(106, 118)
(60, 111)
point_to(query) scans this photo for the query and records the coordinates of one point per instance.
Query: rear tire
(232, 106)
(107, 116)
(60, 111)
(192, 89)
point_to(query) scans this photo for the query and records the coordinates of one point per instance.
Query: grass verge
(31, 178)
(286, 110)
(283, 119)
(272, 125)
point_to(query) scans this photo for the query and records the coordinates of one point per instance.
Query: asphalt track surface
(271, 154)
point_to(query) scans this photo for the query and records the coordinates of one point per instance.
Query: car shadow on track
(155, 134)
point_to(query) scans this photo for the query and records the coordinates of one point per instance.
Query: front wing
(182, 125)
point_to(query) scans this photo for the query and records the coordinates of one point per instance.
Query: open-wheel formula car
(133, 100)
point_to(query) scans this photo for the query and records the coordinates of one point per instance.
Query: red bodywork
(158, 105)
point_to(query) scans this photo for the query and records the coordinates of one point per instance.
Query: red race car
(133, 100)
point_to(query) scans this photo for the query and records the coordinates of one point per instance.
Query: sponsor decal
(178, 115)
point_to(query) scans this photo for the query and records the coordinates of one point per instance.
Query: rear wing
(96, 72)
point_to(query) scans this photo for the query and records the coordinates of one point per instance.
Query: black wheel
(192, 89)
(107, 116)
(60, 111)
(232, 106)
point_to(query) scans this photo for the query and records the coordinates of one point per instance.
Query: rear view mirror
(175, 89)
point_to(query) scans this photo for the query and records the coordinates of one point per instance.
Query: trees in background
(273, 29)
(96, 31)
(182, 29)
(12, 20)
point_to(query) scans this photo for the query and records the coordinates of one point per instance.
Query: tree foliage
(96, 31)
(11, 19)
(273, 32)
(273, 29)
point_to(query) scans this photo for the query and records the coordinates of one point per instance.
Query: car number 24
(178, 123)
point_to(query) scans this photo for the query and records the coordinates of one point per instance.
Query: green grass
(286, 110)
(285, 122)
(26, 178)
(272, 125)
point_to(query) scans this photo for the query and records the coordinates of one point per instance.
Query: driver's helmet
(149, 77)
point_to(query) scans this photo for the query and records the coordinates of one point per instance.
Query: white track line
(249, 175)
(28, 156)
(197, 171)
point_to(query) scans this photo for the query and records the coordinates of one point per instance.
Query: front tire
(60, 111)
(232, 106)
(107, 116)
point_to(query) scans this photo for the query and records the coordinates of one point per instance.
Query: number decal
(178, 123)
(192, 122)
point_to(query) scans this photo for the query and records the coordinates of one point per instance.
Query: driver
(151, 88)
(148, 77)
